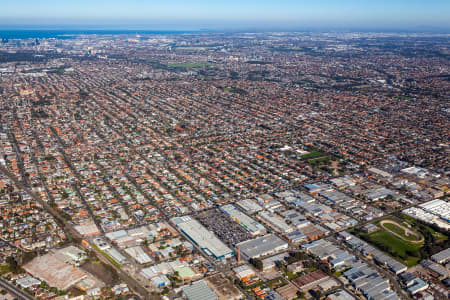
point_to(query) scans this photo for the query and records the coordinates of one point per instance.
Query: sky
(232, 14)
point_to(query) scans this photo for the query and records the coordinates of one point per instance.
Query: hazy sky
(229, 13)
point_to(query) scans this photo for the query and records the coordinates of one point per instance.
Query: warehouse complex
(245, 221)
(262, 246)
(202, 237)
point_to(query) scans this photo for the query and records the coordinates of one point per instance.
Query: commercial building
(288, 292)
(325, 250)
(340, 295)
(27, 281)
(249, 206)
(438, 208)
(202, 237)
(244, 272)
(296, 237)
(418, 286)
(270, 262)
(442, 257)
(369, 282)
(309, 280)
(276, 222)
(116, 255)
(441, 271)
(199, 290)
(138, 254)
(377, 255)
(252, 226)
(262, 246)
(295, 218)
(380, 173)
(71, 255)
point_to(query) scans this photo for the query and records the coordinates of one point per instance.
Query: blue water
(68, 34)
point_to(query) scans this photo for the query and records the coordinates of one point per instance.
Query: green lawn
(291, 275)
(4, 269)
(324, 159)
(400, 231)
(395, 247)
(440, 236)
(339, 273)
(414, 223)
(107, 256)
(277, 282)
(312, 154)
(192, 65)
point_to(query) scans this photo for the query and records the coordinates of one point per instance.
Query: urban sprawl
(225, 166)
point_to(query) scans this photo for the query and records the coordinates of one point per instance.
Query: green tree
(257, 263)
(13, 265)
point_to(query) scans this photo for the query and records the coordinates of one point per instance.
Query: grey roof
(199, 290)
(442, 256)
(261, 245)
(440, 270)
(202, 237)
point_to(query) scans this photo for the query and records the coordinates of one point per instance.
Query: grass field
(319, 160)
(312, 154)
(4, 269)
(406, 249)
(400, 231)
(107, 256)
(192, 65)
(399, 249)
(414, 223)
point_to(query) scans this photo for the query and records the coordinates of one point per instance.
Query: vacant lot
(102, 271)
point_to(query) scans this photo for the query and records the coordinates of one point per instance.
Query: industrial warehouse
(206, 240)
(262, 246)
(245, 221)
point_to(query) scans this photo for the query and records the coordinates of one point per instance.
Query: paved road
(88, 207)
(15, 290)
(125, 277)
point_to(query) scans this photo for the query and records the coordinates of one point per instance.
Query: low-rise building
(262, 246)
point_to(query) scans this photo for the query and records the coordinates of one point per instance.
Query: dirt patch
(224, 288)
(102, 271)
(75, 292)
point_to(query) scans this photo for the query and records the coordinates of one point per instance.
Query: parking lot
(223, 227)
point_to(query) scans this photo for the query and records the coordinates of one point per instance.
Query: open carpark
(223, 227)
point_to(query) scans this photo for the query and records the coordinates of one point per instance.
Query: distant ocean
(69, 34)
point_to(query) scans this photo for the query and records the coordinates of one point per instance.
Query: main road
(131, 282)
(15, 291)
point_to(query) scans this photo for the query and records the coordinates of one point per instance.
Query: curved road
(406, 230)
